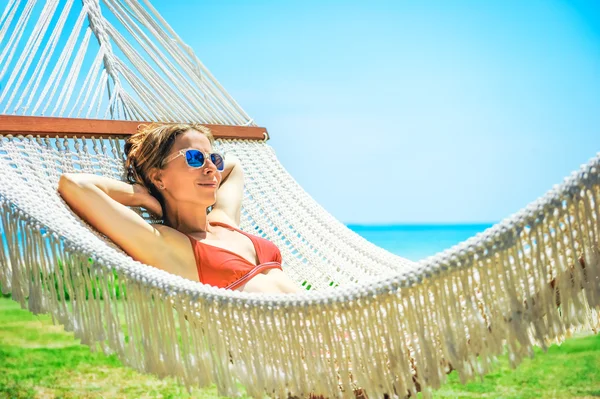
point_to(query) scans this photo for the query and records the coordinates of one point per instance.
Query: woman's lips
(213, 185)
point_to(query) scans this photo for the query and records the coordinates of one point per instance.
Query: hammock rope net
(368, 319)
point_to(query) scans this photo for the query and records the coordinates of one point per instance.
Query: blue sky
(408, 112)
(403, 112)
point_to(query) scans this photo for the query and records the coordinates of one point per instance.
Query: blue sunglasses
(197, 159)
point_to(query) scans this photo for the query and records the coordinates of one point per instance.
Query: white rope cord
(202, 72)
(161, 92)
(7, 17)
(113, 101)
(88, 83)
(101, 91)
(176, 54)
(139, 110)
(205, 120)
(38, 73)
(131, 106)
(157, 105)
(58, 70)
(206, 93)
(15, 37)
(148, 72)
(157, 109)
(29, 51)
(69, 84)
(116, 108)
(41, 64)
(180, 88)
(98, 25)
(97, 92)
(184, 88)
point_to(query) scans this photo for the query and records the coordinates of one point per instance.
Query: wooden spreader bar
(69, 127)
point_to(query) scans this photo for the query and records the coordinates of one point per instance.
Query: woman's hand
(146, 200)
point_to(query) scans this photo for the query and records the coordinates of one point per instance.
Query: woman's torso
(182, 258)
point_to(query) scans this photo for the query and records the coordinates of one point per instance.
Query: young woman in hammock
(174, 173)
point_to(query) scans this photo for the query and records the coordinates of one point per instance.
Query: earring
(162, 187)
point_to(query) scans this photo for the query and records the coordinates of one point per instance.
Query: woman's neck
(187, 220)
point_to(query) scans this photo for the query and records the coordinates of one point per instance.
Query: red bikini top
(222, 268)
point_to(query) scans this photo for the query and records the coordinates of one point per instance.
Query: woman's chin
(209, 200)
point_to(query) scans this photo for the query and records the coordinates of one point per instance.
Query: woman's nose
(209, 166)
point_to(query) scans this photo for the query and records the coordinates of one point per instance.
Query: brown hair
(148, 148)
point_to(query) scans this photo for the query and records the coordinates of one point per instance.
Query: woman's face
(183, 183)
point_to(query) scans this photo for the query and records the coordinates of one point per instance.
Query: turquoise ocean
(417, 241)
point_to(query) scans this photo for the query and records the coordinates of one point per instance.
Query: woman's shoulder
(174, 255)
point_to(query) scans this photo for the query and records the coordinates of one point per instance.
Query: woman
(175, 174)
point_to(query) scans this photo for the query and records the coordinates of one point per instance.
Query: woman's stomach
(270, 281)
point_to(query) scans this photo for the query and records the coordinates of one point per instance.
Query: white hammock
(368, 319)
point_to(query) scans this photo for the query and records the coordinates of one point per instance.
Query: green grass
(38, 359)
(571, 370)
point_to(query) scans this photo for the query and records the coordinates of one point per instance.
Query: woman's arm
(124, 193)
(230, 193)
(103, 203)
